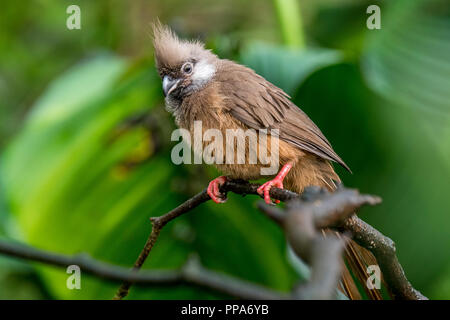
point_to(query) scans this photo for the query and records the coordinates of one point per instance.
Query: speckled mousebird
(199, 86)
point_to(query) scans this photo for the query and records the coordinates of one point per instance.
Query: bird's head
(184, 66)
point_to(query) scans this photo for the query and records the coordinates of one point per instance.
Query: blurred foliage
(85, 157)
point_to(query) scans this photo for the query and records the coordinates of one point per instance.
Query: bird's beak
(169, 85)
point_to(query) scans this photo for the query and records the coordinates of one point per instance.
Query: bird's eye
(187, 68)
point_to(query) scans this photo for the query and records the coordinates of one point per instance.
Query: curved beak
(169, 85)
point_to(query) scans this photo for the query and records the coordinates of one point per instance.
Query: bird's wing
(260, 105)
(250, 98)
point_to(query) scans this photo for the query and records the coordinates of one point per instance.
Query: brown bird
(199, 86)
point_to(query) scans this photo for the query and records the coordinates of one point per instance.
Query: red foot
(264, 190)
(214, 189)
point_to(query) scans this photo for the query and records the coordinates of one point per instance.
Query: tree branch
(383, 248)
(346, 199)
(192, 273)
(157, 224)
(304, 215)
(240, 187)
(299, 222)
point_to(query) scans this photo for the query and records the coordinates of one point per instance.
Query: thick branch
(304, 216)
(383, 248)
(299, 222)
(325, 269)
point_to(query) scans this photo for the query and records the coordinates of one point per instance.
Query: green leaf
(81, 84)
(287, 67)
(407, 61)
(290, 20)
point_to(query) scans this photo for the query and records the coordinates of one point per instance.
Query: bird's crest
(170, 51)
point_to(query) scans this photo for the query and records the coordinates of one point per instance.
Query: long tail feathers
(358, 259)
(347, 285)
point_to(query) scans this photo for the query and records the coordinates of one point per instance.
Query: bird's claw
(264, 190)
(213, 190)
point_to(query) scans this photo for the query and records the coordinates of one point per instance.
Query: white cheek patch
(203, 72)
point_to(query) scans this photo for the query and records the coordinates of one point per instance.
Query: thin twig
(192, 273)
(157, 224)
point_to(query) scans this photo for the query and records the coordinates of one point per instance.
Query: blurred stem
(290, 21)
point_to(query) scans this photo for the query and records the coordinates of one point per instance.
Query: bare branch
(157, 224)
(304, 215)
(301, 222)
(383, 248)
(334, 208)
(193, 273)
(325, 270)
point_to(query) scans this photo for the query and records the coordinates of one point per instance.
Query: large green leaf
(287, 67)
(407, 60)
(408, 63)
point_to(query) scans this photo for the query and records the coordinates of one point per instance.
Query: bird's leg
(264, 190)
(214, 189)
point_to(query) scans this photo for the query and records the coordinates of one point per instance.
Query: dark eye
(187, 68)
